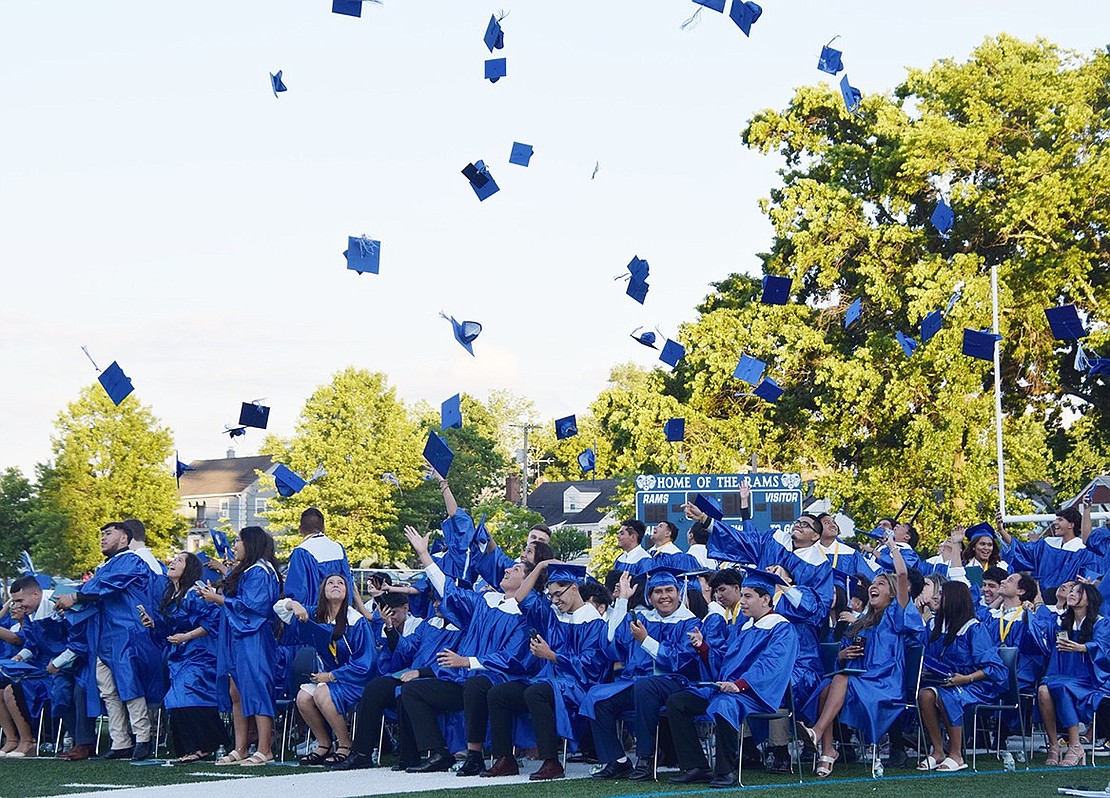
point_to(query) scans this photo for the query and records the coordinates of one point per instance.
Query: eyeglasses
(558, 593)
(807, 524)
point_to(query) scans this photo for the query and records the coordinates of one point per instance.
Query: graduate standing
(314, 559)
(247, 649)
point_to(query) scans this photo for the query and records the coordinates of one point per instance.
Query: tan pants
(118, 728)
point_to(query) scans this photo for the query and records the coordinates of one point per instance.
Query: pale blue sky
(158, 204)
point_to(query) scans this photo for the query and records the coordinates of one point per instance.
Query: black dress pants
(514, 698)
(682, 709)
(423, 700)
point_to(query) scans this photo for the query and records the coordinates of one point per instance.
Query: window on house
(225, 508)
(261, 506)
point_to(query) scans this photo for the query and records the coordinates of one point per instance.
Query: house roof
(228, 475)
(547, 500)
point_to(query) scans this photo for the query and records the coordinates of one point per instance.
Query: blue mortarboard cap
(943, 217)
(235, 432)
(758, 578)
(1098, 366)
(768, 390)
(749, 369)
(637, 290)
(645, 338)
(276, 83)
(480, 179)
(830, 60)
(659, 574)
(1065, 323)
(438, 454)
(638, 268)
(565, 572)
(116, 383)
(521, 154)
(930, 325)
(287, 481)
(450, 412)
(980, 344)
(672, 352)
(465, 332)
(675, 429)
(852, 96)
(363, 254)
(252, 414)
(776, 290)
(352, 8)
(709, 506)
(716, 5)
(181, 468)
(744, 14)
(879, 533)
(851, 316)
(566, 427)
(495, 69)
(983, 530)
(587, 460)
(495, 37)
(908, 344)
(219, 542)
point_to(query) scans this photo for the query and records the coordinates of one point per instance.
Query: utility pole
(524, 462)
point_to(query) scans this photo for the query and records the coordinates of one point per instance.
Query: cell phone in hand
(860, 642)
(532, 633)
(142, 611)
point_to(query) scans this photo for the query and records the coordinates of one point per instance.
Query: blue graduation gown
(579, 641)
(116, 635)
(191, 665)
(1050, 561)
(972, 650)
(874, 699)
(1077, 682)
(848, 560)
(418, 650)
(1016, 628)
(666, 651)
(718, 627)
(882, 562)
(1098, 544)
(494, 632)
(315, 559)
(351, 658)
(800, 606)
(756, 654)
(809, 566)
(247, 649)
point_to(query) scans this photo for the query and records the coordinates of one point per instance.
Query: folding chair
(786, 712)
(1010, 700)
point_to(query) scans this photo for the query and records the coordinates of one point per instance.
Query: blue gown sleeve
(589, 664)
(116, 575)
(985, 656)
(768, 672)
(491, 565)
(361, 656)
(735, 545)
(539, 614)
(296, 577)
(675, 654)
(458, 604)
(1022, 556)
(251, 608)
(515, 657)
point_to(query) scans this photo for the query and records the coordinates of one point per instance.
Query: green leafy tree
(569, 543)
(17, 508)
(109, 463)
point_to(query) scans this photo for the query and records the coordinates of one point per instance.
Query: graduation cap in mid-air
(852, 96)
(219, 542)
(1065, 323)
(768, 390)
(851, 316)
(830, 59)
(943, 217)
(587, 460)
(715, 5)
(495, 69)
(350, 8)
(637, 279)
(495, 36)
(645, 338)
(180, 469)
(749, 369)
(287, 481)
(481, 180)
(450, 413)
(744, 14)
(465, 331)
(672, 352)
(521, 154)
(234, 430)
(908, 344)
(115, 383)
(930, 325)
(980, 344)
(276, 83)
(254, 414)
(674, 429)
(566, 427)
(363, 254)
(776, 290)
(438, 454)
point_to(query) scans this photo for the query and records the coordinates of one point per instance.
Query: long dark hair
(968, 553)
(872, 615)
(257, 545)
(1094, 604)
(956, 609)
(190, 575)
(340, 616)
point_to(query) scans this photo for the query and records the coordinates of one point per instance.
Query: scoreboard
(776, 499)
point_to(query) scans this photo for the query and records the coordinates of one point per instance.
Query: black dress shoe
(405, 765)
(116, 753)
(692, 776)
(780, 762)
(614, 770)
(474, 764)
(355, 762)
(723, 780)
(140, 752)
(437, 762)
(644, 770)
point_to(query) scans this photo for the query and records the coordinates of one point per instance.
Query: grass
(36, 778)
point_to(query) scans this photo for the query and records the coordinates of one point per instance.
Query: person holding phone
(876, 644)
(658, 660)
